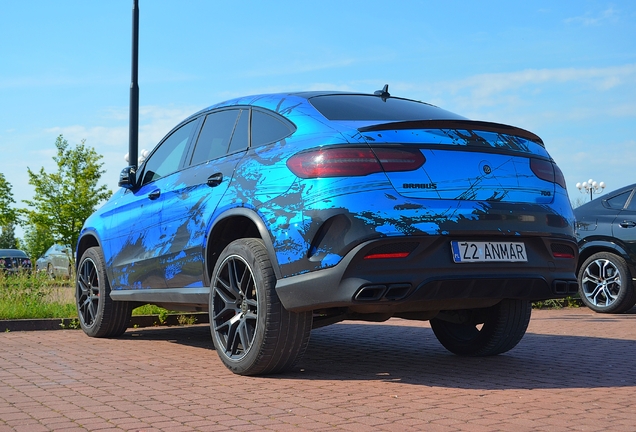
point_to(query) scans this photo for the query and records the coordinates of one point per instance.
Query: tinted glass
(239, 138)
(618, 201)
(166, 159)
(215, 136)
(632, 204)
(267, 129)
(374, 108)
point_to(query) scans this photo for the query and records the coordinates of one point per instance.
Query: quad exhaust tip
(565, 287)
(392, 292)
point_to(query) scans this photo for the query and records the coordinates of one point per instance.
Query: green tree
(8, 214)
(7, 237)
(65, 199)
(37, 239)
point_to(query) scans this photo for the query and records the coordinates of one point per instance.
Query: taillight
(547, 171)
(393, 160)
(559, 178)
(344, 162)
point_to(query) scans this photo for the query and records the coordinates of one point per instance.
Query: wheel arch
(235, 224)
(87, 240)
(588, 249)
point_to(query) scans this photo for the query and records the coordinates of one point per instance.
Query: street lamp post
(591, 187)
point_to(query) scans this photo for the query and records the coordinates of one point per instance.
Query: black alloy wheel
(253, 333)
(99, 315)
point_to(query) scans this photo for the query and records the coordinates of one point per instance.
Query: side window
(267, 129)
(632, 204)
(618, 201)
(214, 138)
(167, 157)
(239, 139)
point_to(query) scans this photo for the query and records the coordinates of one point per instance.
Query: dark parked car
(56, 261)
(279, 213)
(14, 261)
(606, 232)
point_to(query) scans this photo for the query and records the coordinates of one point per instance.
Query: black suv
(14, 261)
(606, 232)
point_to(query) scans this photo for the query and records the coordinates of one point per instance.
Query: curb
(136, 321)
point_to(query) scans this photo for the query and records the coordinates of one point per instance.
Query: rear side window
(618, 201)
(240, 139)
(267, 129)
(632, 204)
(214, 138)
(374, 108)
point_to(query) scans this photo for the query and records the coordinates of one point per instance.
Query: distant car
(606, 233)
(56, 261)
(285, 212)
(14, 260)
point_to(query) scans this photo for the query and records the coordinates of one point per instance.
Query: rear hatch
(470, 160)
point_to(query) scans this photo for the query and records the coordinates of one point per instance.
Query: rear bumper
(428, 279)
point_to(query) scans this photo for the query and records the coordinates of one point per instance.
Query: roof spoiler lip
(455, 124)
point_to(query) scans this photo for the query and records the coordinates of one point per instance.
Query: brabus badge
(419, 185)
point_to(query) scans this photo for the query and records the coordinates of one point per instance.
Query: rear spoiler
(455, 124)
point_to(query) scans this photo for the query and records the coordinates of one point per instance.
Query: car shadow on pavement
(412, 355)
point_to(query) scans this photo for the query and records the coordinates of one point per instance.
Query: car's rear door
(193, 196)
(624, 226)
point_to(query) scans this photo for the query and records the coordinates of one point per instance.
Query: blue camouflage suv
(286, 212)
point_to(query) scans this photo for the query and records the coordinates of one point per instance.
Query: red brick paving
(573, 371)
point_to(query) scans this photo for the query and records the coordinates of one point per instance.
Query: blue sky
(565, 70)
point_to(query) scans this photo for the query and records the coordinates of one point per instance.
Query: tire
(605, 284)
(99, 315)
(252, 332)
(502, 327)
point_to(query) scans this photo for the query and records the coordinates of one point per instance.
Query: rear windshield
(12, 253)
(374, 108)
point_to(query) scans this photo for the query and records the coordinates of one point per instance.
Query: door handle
(627, 224)
(154, 194)
(215, 179)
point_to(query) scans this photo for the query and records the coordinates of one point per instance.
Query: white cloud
(610, 162)
(589, 19)
(487, 85)
(109, 139)
(154, 123)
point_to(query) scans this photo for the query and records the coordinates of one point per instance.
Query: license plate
(476, 251)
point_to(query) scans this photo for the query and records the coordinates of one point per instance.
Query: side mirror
(128, 177)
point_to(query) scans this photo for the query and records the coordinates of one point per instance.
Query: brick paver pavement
(574, 370)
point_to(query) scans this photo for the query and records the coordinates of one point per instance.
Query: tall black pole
(133, 128)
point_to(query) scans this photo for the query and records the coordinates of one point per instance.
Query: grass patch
(27, 296)
(568, 302)
(34, 296)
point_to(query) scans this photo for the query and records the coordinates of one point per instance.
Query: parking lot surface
(574, 370)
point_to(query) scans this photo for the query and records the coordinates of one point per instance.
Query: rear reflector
(387, 255)
(563, 255)
(344, 162)
(560, 250)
